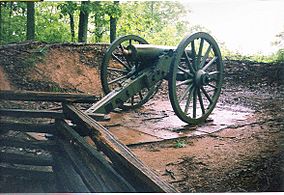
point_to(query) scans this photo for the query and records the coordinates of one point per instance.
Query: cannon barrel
(148, 52)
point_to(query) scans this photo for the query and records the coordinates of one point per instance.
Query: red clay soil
(65, 68)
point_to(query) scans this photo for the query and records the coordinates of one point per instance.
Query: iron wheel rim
(194, 98)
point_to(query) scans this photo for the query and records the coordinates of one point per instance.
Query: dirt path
(247, 157)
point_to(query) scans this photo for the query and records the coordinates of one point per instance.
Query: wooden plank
(26, 159)
(20, 143)
(31, 113)
(93, 168)
(126, 162)
(47, 96)
(31, 174)
(67, 177)
(27, 127)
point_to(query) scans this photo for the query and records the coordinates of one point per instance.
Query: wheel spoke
(132, 100)
(117, 79)
(209, 63)
(123, 53)
(121, 62)
(140, 95)
(188, 100)
(194, 103)
(206, 95)
(121, 48)
(213, 86)
(189, 66)
(200, 101)
(194, 54)
(117, 70)
(200, 53)
(205, 56)
(184, 82)
(213, 75)
(185, 92)
(185, 71)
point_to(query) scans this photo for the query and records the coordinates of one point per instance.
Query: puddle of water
(156, 121)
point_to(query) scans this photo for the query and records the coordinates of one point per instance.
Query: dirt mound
(53, 67)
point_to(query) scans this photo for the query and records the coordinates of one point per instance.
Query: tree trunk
(30, 21)
(0, 22)
(113, 22)
(112, 26)
(72, 27)
(83, 22)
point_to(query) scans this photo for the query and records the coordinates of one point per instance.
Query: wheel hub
(202, 78)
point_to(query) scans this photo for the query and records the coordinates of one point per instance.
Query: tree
(0, 22)
(104, 19)
(13, 20)
(69, 8)
(30, 21)
(159, 22)
(113, 21)
(51, 24)
(83, 21)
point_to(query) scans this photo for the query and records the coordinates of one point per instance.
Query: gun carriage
(132, 71)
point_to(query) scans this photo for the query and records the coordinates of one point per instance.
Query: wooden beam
(47, 96)
(31, 174)
(31, 113)
(125, 161)
(69, 179)
(26, 159)
(20, 143)
(93, 168)
(27, 127)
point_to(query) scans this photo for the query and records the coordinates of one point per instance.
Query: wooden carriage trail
(83, 155)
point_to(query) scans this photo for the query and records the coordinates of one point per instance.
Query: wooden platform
(80, 155)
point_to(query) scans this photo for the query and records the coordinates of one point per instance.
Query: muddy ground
(243, 153)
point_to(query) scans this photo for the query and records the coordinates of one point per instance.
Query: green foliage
(102, 11)
(68, 7)
(180, 144)
(157, 22)
(50, 25)
(13, 22)
(56, 89)
(278, 57)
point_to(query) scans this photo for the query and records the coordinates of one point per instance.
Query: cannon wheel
(118, 67)
(195, 78)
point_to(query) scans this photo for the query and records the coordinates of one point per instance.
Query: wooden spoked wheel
(117, 67)
(195, 78)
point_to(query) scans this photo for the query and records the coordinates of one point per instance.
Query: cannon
(132, 71)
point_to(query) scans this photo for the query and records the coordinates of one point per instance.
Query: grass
(37, 55)
(56, 89)
(180, 144)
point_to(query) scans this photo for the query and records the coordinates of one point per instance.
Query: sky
(246, 26)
